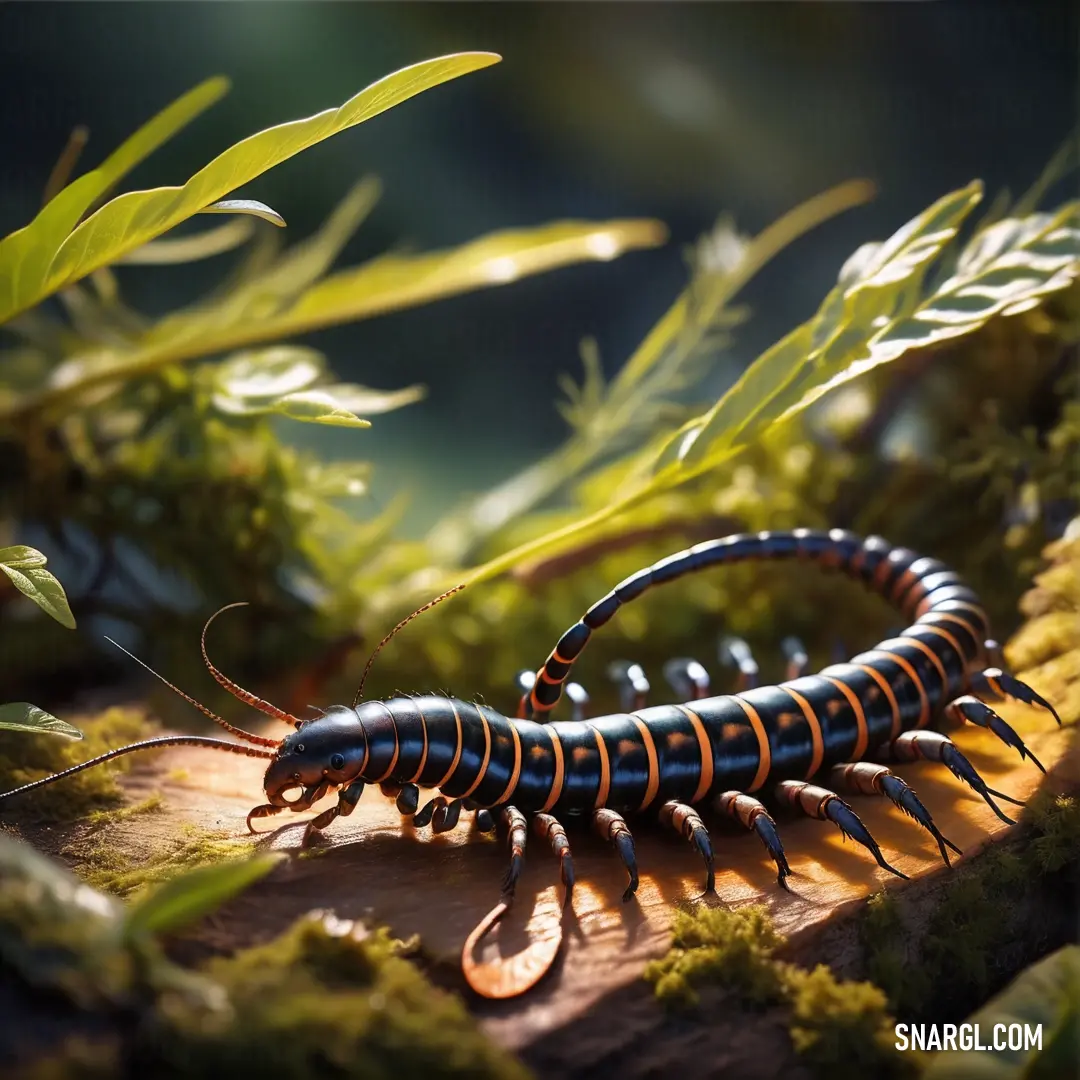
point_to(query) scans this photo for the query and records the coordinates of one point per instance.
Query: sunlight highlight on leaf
(25, 568)
(22, 716)
(132, 219)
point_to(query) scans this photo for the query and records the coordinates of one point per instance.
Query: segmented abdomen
(733, 742)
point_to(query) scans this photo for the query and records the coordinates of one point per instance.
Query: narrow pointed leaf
(26, 255)
(251, 207)
(132, 219)
(191, 895)
(22, 716)
(31, 579)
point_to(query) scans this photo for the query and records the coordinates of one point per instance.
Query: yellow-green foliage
(105, 868)
(24, 758)
(1046, 649)
(149, 805)
(841, 1029)
(1056, 819)
(326, 998)
(719, 947)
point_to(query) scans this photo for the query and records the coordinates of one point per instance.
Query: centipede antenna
(258, 740)
(236, 690)
(404, 622)
(146, 744)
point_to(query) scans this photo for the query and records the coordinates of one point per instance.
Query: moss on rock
(107, 869)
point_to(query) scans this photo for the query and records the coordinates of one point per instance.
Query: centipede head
(329, 751)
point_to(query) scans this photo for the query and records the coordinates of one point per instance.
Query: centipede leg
(751, 814)
(424, 814)
(445, 815)
(632, 682)
(484, 821)
(687, 678)
(824, 805)
(979, 713)
(517, 832)
(408, 798)
(734, 652)
(998, 684)
(866, 778)
(551, 830)
(579, 701)
(612, 826)
(686, 821)
(933, 746)
(345, 805)
(798, 660)
(266, 810)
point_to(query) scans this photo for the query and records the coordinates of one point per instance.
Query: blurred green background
(678, 111)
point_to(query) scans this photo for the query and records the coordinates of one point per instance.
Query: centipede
(802, 744)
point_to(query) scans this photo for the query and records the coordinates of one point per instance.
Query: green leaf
(28, 575)
(22, 557)
(317, 407)
(266, 374)
(26, 255)
(382, 285)
(251, 207)
(1048, 993)
(22, 716)
(1006, 270)
(365, 401)
(191, 895)
(132, 219)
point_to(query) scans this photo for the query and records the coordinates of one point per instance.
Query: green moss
(838, 1028)
(724, 948)
(842, 1029)
(1056, 820)
(123, 813)
(887, 946)
(107, 869)
(327, 999)
(24, 758)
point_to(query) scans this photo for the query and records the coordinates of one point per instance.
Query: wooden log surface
(439, 887)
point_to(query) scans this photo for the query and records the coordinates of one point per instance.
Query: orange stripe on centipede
(654, 763)
(941, 632)
(559, 778)
(487, 756)
(863, 740)
(457, 753)
(909, 670)
(605, 770)
(516, 774)
(889, 696)
(706, 752)
(934, 658)
(816, 740)
(424, 752)
(397, 747)
(764, 750)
